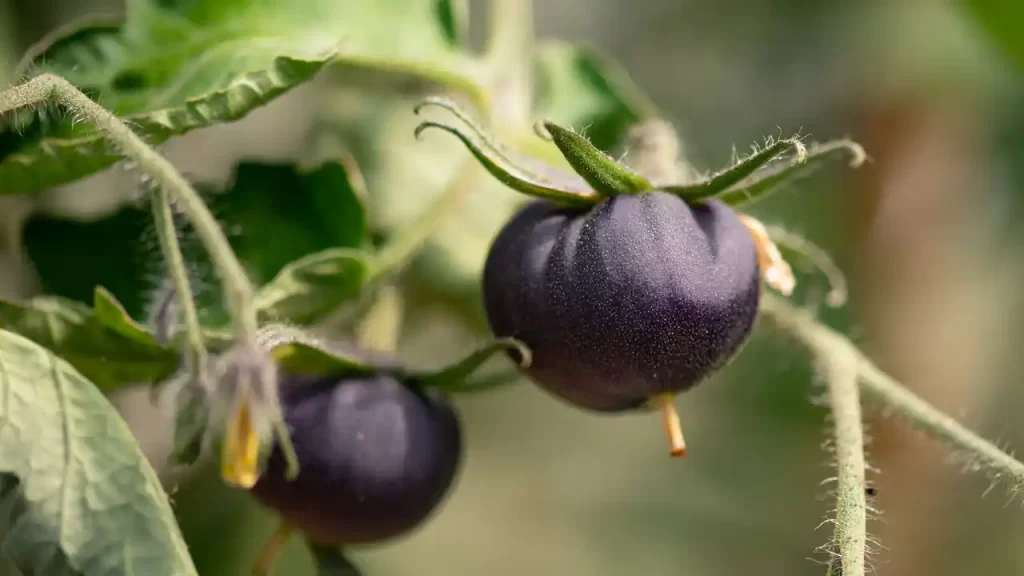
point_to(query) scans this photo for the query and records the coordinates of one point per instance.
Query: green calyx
(596, 176)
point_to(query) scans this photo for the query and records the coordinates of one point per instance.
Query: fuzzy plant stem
(48, 88)
(893, 396)
(849, 541)
(163, 220)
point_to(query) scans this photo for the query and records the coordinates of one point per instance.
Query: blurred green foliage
(546, 489)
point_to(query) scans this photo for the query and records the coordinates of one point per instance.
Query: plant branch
(48, 88)
(508, 59)
(850, 539)
(826, 343)
(882, 388)
(163, 220)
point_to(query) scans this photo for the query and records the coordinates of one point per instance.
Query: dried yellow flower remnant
(774, 269)
(241, 449)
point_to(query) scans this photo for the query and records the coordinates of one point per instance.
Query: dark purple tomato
(375, 458)
(640, 296)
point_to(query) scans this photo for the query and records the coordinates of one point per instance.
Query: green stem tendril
(456, 374)
(814, 255)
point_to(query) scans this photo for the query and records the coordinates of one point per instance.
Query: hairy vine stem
(850, 539)
(51, 89)
(163, 219)
(843, 361)
(893, 395)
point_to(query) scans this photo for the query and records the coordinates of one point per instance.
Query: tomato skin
(375, 458)
(640, 295)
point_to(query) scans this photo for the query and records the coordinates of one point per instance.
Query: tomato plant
(610, 272)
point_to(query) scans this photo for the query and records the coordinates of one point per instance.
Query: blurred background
(928, 233)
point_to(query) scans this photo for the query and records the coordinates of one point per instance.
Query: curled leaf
(532, 178)
(313, 286)
(110, 357)
(171, 67)
(718, 183)
(769, 181)
(111, 314)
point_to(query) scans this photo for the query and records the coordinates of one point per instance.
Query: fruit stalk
(673, 428)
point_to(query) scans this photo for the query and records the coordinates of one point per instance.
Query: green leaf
(1001, 21)
(72, 258)
(88, 502)
(331, 561)
(302, 353)
(766, 182)
(454, 18)
(107, 356)
(604, 174)
(714, 185)
(579, 87)
(286, 212)
(109, 313)
(177, 65)
(275, 214)
(454, 377)
(314, 286)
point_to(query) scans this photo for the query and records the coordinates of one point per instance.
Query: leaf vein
(62, 395)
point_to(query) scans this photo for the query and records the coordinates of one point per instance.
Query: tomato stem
(673, 428)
